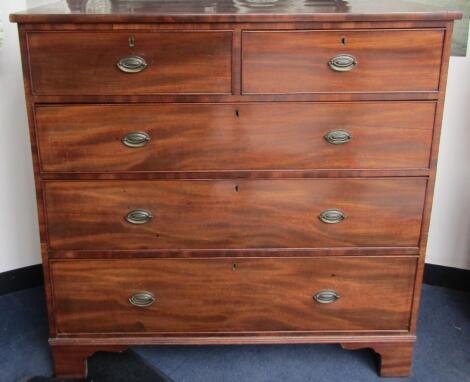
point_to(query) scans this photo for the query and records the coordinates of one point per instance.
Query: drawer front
(377, 61)
(191, 137)
(205, 214)
(85, 63)
(232, 295)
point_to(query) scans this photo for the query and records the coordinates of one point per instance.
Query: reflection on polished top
(230, 10)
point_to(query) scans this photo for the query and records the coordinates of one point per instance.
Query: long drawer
(259, 136)
(120, 63)
(224, 214)
(341, 61)
(232, 295)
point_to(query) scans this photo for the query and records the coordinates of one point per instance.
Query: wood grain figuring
(234, 214)
(297, 61)
(208, 137)
(237, 100)
(233, 295)
(85, 63)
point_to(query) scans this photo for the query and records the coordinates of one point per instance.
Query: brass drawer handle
(332, 216)
(136, 139)
(139, 216)
(338, 137)
(343, 63)
(142, 299)
(131, 64)
(326, 296)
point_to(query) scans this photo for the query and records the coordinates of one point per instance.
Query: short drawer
(341, 61)
(232, 295)
(219, 214)
(120, 63)
(260, 136)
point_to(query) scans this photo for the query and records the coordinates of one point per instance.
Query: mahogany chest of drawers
(224, 173)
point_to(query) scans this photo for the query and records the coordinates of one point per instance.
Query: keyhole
(237, 188)
(234, 267)
(343, 40)
(131, 41)
(237, 113)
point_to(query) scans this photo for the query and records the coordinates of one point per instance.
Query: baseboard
(447, 277)
(438, 275)
(22, 278)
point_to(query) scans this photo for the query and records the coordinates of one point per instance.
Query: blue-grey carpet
(442, 352)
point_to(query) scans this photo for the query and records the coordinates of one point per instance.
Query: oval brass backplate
(131, 64)
(136, 139)
(139, 216)
(326, 296)
(338, 137)
(332, 216)
(343, 63)
(142, 299)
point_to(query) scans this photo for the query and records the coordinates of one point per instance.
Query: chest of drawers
(222, 173)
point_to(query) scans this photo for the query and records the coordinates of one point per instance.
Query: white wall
(449, 235)
(449, 239)
(19, 237)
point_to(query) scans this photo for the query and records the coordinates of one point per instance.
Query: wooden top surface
(166, 11)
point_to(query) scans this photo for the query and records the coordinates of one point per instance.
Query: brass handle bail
(136, 139)
(332, 216)
(343, 63)
(326, 296)
(338, 137)
(139, 216)
(142, 299)
(131, 64)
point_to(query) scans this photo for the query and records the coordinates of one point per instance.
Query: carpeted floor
(442, 353)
